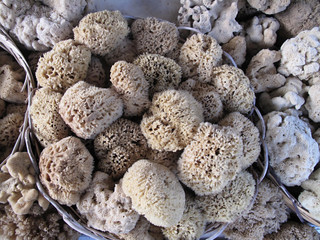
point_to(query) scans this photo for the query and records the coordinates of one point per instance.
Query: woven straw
(28, 141)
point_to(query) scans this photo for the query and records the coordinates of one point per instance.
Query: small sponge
(250, 136)
(96, 74)
(9, 129)
(172, 120)
(155, 36)
(66, 64)
(162, 73)
(211, 160)
(88, 110)
(65, 170)
(155, 193)
(119, 146)
(101, 31)
(229, 204)
(198, 55)
(128, 80)
(48, 126)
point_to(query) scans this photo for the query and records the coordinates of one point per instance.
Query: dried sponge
(105, 209)
(125, 51)
(101, 31)
(141, 231)
(128, 80)
(156, 36)
(211, 160)
(88, 110)
(66, 64)
(119, 146)
(198, 55)
(294, 231)
(48, 126)
(190, 227)
(234, 88)
(10, 129)
(96, 74)
(250, 136)
(207, 96)
(155, 193)
(11, 85)
(65, 170)
(268, 212)
(162, 73)
(172, 120)
(2, 108)
(231, 202)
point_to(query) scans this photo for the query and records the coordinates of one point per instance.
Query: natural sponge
(293, 153)
(9, 129)
(162, 73)
(128, 80)
(152, 35)
(65, 170)
(191, 226)
(250, 136)
(234, 88)
(66, 64)
(198, 55)
(155, 193)
(105, 209)
(268, 212)
(101, 31)
(88, 110)
(48, 126)
(172, 120)
(119, 146)
(211, 160)
(231, 202)
(11, 85)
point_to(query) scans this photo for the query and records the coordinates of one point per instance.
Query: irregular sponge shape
(65, 170)
(9, 129)
(211, 160)
(155, 193)
(88, 110)
(66, 64)
(101, 31)
(231, 202)
(172, 120)
(48, 126)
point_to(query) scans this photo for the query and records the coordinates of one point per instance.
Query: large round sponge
(155, 192)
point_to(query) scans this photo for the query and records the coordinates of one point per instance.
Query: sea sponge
(207, 96)
(293, 153)
(231, 202)
(211, 160)
(198, 55)
(172, 120)
(162, 73)
(66, 64)
(48, 126)
(119, 146)
(96, 74)
(128, 80)
(155, 193)
(268, 212)
(234, 88)
(105, 209)
(2, 108)
(18, 185)
(312, 104)
(237, 49)
(101, 31)
(125, 51)
(191, 226)
(294, 231)
(88, 110)
(154, 36)
(270, 6)
(250, 136)
(140, 231)
(65, 170)
(11, 85)
(10, 129)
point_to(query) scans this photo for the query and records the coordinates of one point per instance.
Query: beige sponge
(155, 193)
(65, 170)
(10, 129)
(66, 64)
(88, 110)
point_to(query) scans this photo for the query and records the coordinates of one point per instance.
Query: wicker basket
(27, 140)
